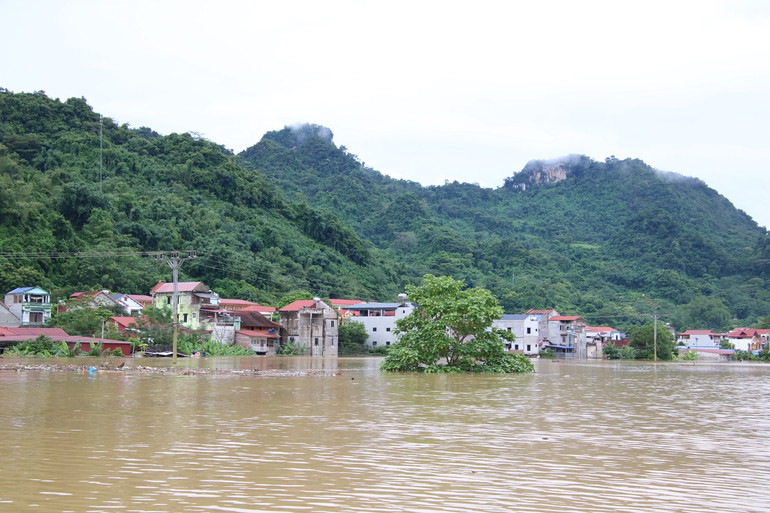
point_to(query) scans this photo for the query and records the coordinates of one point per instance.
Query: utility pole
(655, 336)
(175, 261)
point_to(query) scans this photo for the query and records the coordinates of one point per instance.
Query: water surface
(574, 436)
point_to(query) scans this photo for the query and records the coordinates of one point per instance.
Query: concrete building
(312, 324)
(526, 328)
(31, 305)
(379, 319)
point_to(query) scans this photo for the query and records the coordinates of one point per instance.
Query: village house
(379, 319)
(526, 329)
(699, 338)
(31, 305)
(131, 305)
(311, 324)
(748, 339)
(198, 309)
(257, 332)
(90, 299)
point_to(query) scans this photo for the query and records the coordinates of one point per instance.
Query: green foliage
(352, 338)
(450, 331)
(41, 346)
(612, 352)
(80, 319)
(191, 344)
(704, 313)
(95, 349)
(688, 356)
(291, 348)
(644, 342)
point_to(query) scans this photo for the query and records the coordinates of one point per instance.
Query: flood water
(571, 437)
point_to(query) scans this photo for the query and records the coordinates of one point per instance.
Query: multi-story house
(526, 329)
(31, 305)
(311, 324)
(379, 319)
(198, 309)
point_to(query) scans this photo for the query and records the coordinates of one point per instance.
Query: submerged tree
(451, 331)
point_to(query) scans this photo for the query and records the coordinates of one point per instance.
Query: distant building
(31, 305)
(257, 332)
(311, 324)
(699, 338)
(379, 319)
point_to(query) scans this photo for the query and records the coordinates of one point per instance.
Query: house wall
(316, 329)
(381, 328)
(526, 331)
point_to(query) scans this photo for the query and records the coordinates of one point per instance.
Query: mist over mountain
(612, 241)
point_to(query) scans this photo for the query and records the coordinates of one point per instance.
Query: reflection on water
(586, 437)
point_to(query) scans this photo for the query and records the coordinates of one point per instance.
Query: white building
(379, 319)
(525, 327)
(31, 305)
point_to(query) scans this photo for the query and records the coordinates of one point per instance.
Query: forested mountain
(612, 241)
(156, 194)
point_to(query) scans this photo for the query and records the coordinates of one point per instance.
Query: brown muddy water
(572, 437)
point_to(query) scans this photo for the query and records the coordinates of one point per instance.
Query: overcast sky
(428, 91)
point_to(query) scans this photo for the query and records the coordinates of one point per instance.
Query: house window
(387, 343)
(332, 324)
(195, 315)
(529, 348)
(510, 329)
(184, 317)
(36, 317)
(374, 329)
(387, 329)
(529, 330)
(168, 300)
(374, 344)
(316, 341)
(516, 347)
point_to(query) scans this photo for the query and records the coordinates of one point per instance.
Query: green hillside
(612, 241)
(157, 193)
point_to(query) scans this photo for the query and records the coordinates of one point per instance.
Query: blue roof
(23, 290)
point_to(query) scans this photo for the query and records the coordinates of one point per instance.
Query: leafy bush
(40, 346)
(291, 348)
(191, 344)
(612, 352)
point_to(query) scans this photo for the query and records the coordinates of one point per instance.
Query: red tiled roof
(257, 333)
(600, 328)
(565, 318)
(540, 312)
(125, 321)
(140, 298)
(742, 333)
(298, 305)
(699, 332)
(78, 295)
(33, 332)
(182, 286)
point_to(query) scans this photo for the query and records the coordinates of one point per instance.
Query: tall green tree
(644, 341)
(451, 331)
